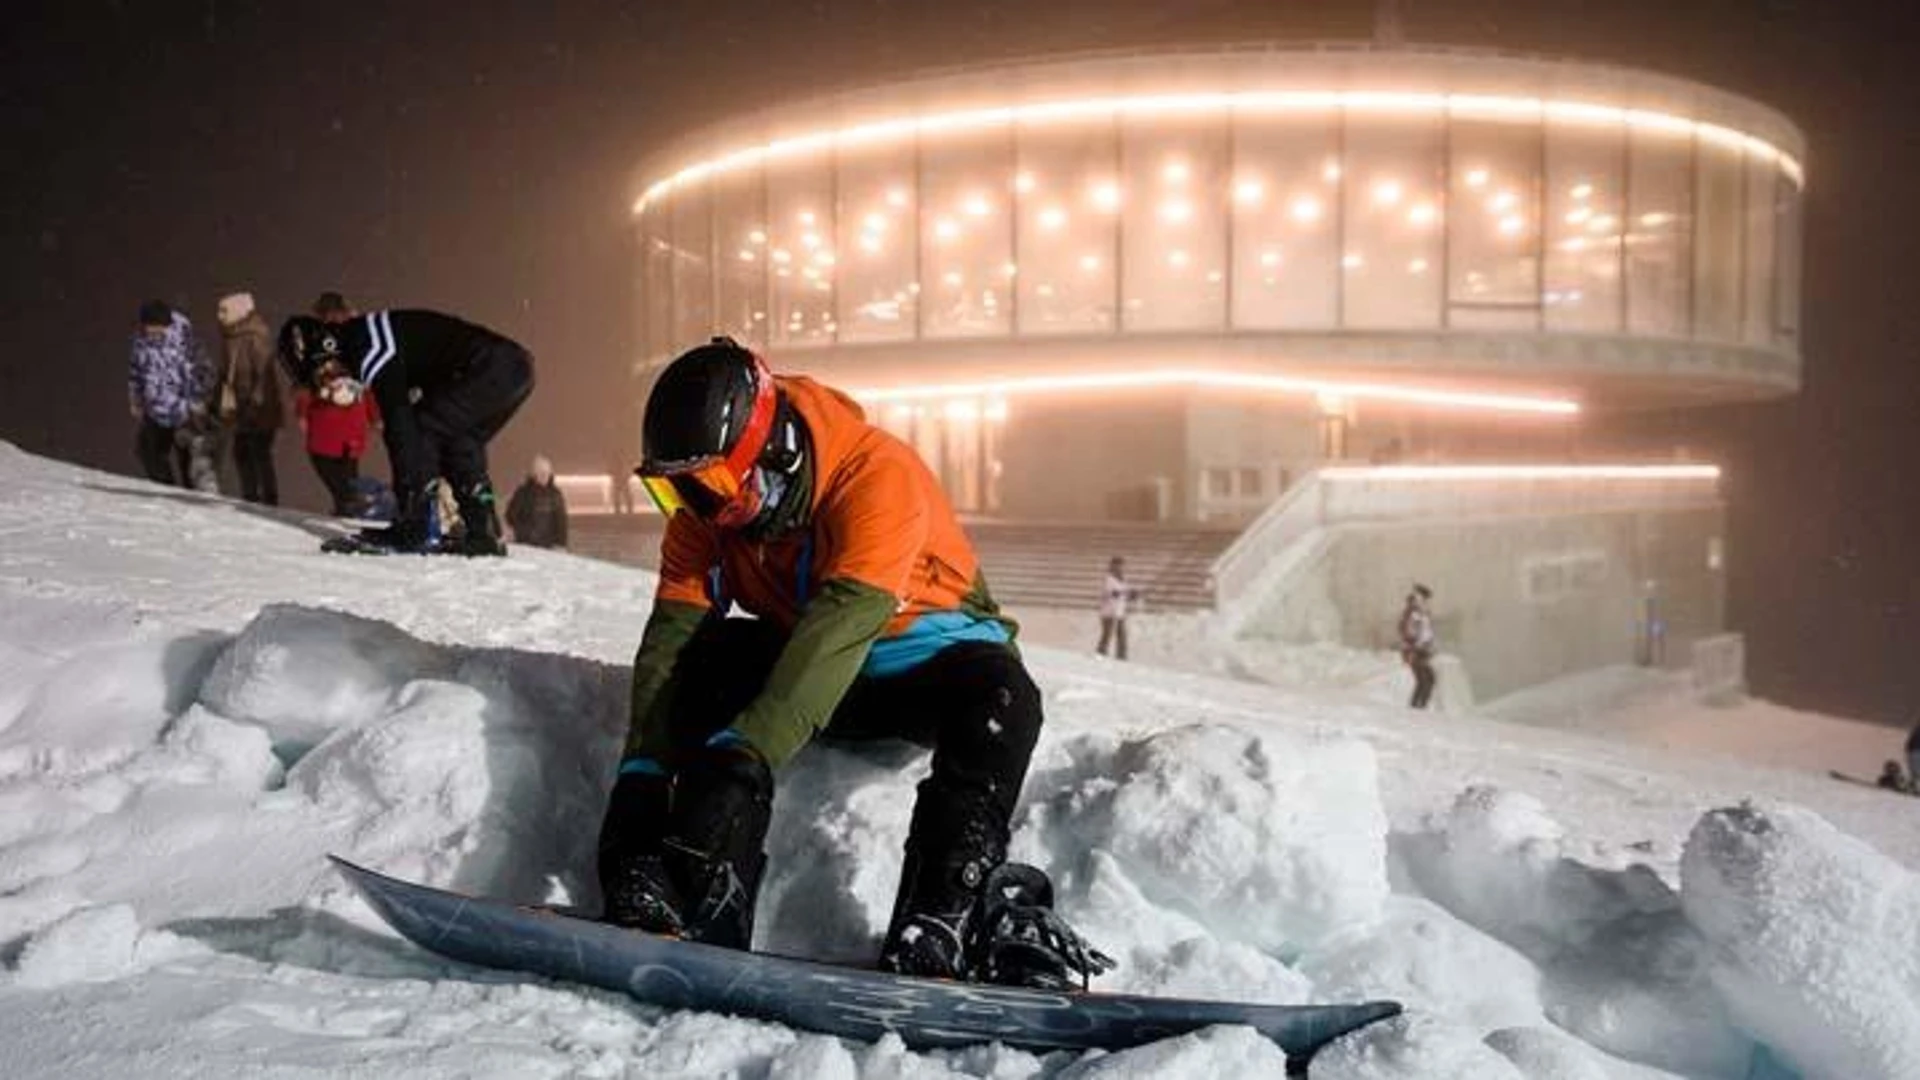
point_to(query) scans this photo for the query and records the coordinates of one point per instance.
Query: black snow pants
(972, 703)
(459, 419)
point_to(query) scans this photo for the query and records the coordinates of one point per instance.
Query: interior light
(806, 218)
(1164, 377)
(1655, 219)
(1090, 263)
(1352, 261)
(1417, 266)
(810, 241)
(781, 256)
(870, 243)
(1520, 472)
(1387, 192)
(952, 278)
(875, 222)
(1106, 195)
(946, 229)
(1330, 172)
(1177, 259)
(1505, 200)
(1306, 209)
(1052, 218)
(1175, 211)
(978, 206)
(747, 255)
(1269, 258)
(1024, 182)
(823, 258)
(1512, 225)
(897, 197)
(1581, 191)
(1579, 214)
(1249, 192)
(1477, 178)
(757, 236)
(1175, 172)
(1422, 214)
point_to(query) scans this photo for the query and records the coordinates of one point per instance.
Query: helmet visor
(707, 488)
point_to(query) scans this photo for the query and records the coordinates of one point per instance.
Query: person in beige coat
(252, 397)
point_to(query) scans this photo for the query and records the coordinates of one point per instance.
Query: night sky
(477, 158)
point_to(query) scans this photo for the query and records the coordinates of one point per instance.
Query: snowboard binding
(1019, 940)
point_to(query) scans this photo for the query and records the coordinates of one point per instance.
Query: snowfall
(196, 707)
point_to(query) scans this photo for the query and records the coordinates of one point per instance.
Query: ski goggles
(722, 488)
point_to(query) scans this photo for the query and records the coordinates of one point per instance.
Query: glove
(722, 799)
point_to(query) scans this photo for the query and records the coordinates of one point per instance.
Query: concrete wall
(1094, 459)
(1519, 599)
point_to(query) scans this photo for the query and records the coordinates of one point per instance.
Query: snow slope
(195, 706)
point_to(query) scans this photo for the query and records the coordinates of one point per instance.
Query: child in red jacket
(336, 421)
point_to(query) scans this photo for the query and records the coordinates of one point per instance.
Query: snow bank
(92, 945)
(1816, 939)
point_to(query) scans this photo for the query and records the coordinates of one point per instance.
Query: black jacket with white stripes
(405, 357)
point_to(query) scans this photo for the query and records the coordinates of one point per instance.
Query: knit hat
(156, 313)
(235, 307)
(330, 303)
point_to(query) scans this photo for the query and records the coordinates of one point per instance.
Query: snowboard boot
(1019, 940)
(722, 805)
(639, 892)
(480, 519)
(947, 861)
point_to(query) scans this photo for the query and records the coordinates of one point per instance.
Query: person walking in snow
(445, 388)
(1417, 643)
(167, 381)
(537, 513)
(1115, 595)
(252, 400)
(872, 621)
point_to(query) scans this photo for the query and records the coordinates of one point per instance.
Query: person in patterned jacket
(168, 379)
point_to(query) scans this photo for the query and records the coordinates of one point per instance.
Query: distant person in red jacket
(336, 419)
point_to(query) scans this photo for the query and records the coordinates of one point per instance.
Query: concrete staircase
(1027, 564)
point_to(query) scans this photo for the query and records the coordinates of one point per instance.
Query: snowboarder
(537, 513)
(444, 388)
(252, 403)
(1115, 595)
(1417, 643)
(1893, 778)
(167, 383)
(873, 622)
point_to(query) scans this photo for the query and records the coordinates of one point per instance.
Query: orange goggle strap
(724, 477)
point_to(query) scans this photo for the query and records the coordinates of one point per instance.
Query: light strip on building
(1512, 108)
(1285, 384)
(1520, 472)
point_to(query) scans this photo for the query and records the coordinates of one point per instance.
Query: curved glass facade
(1509, 215)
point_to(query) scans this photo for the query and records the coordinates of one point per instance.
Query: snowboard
(1864, 782)
(830, 999)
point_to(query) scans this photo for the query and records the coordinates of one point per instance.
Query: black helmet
(708, 422)
(306, 344)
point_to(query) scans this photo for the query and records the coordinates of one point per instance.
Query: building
(1174, 285)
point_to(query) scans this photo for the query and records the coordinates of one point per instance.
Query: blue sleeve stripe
(641, 766)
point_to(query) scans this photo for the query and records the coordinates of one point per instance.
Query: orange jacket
(879, 518)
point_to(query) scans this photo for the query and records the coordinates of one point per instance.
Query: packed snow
(196, 706)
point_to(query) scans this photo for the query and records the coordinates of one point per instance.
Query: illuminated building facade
(1167, 285)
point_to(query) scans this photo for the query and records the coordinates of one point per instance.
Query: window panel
(692, 266)
(1586, 218)
(1719, 226)
(1493, 226)
(877, 239)
(1391, 266)
(1173, 231)
(1659, 234)
(1791, 209)
(800, 253)
(656, 238)
(1068, 193)
(1286, 192)
(965, 235)
(1762, 175)
(740, 219)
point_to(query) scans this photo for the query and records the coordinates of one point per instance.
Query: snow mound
(94, 944)
(1271, 840)
(1816, 939)
(1619, 965)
